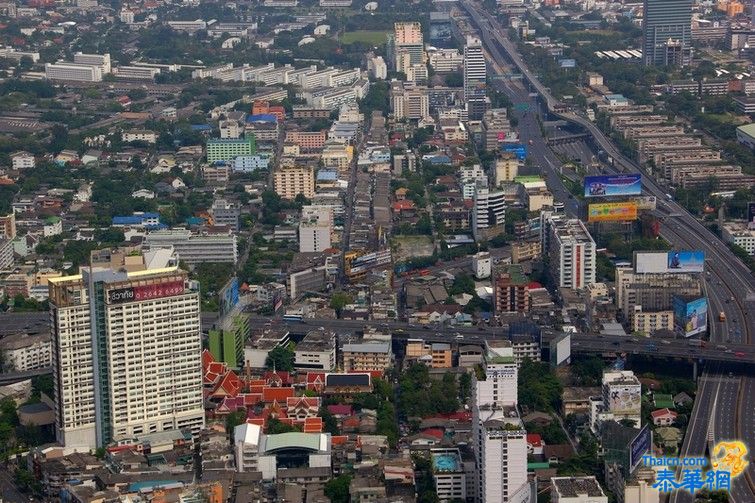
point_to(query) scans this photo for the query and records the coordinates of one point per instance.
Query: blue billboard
(686, 261)
(229, 295)
(640, 445)
(517, 149)
(613, 185)
(690, 316)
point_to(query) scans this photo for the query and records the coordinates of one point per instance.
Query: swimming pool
(445, 462)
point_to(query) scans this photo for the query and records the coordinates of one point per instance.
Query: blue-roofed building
(327, 175)
(195, 221)
(616, 100)
(147, 220)
(201, 128)
(437, 159)
(249, 163)
(261, 118)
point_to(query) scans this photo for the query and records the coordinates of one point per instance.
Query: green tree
(275, 427)
(234, 419)
(281, 358)
(337, 489)
(339, 300)
(538, 387)
(463, 283)
(465, 386)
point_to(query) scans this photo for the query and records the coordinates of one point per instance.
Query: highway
(581, 343)
(730, 285)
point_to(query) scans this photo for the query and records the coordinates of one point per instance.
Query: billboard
(751, 215)
(517, 149)
(639, 446)
(644, 202)
(613, 185)
(369, 261)
(612, 212)
(686, 261)
(691, 261)
(145, 292)
(229, 295)
(690, 316)
(560, 349)
(567, 63)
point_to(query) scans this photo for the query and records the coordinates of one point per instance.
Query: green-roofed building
(256, 451)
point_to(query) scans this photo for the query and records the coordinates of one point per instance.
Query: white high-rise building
(482, 265)
(489, 212)
(99, 60)
(73, 71)
(315, 229)
(500, 438)
(377, 67)
(475, 74)
(571, 250)
(127, 348)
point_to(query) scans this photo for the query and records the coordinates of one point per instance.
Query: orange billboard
(612, 212)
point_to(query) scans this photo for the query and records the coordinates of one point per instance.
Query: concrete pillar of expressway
(694, 370)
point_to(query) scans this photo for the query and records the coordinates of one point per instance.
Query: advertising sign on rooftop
(612, 212)
(613, 185)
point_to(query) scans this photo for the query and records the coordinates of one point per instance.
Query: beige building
(126, 353)
(652, 291)
(651, 321)
(407, 33)
(290, 182)
(441, 354)
(367, 356)
(506, 169)
(521, 251)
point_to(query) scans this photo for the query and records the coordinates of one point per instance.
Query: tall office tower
(475, 78)
(500, 438)
(667, 32)
(126, 350)
(408, 37)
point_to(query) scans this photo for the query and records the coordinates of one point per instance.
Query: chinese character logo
(730, 457)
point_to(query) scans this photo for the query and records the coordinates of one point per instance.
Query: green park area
(366, 36)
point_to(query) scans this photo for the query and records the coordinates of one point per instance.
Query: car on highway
(739, 354)
(458, 336)
(666, 342)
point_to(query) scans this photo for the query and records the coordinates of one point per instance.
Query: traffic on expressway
(729, 285)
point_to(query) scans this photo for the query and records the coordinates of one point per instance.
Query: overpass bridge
(564, 139)
(581, 342)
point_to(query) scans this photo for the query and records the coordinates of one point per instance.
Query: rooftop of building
(446, 461)
(571, 487)
(739, 229)
(21, 340)
(572, 229)
(317, 340)
(369, 347)
(620, 378)
(296, 440)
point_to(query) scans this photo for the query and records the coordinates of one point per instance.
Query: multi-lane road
(729, 285)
